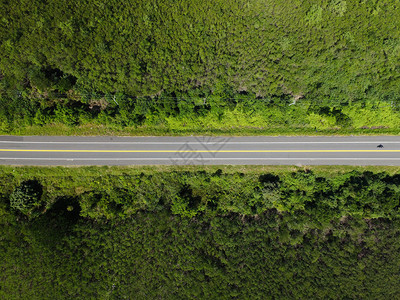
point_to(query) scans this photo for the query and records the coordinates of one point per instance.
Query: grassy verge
(24, 172)
(104, 130)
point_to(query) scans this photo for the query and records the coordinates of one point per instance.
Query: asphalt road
(199, 150)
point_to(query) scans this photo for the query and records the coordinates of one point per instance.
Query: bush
(26, 197)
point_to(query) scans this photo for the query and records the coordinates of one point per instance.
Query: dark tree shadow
(57, 222)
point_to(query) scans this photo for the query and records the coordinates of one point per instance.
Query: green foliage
(158, 255)
(190, 193)
(26, 197)
(215, 232)
(242, 114)
(199, 67)
(337, 50)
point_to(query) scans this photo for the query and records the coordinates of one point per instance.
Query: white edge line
(199, 159)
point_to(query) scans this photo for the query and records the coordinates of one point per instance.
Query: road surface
(199, 150)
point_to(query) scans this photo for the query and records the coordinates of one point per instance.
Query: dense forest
(317, 49)
(136, 62)
(173, 233)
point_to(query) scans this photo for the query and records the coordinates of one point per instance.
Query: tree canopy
(318, 49)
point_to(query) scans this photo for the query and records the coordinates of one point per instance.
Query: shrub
(26, 197)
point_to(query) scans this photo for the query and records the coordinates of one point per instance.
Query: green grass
(24, 172)
(104, 130)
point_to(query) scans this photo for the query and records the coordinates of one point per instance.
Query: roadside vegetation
(205, 115)
(201, 67)
(199, 232)
(109, 192)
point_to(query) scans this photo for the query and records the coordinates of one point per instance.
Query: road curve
(31, 150)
